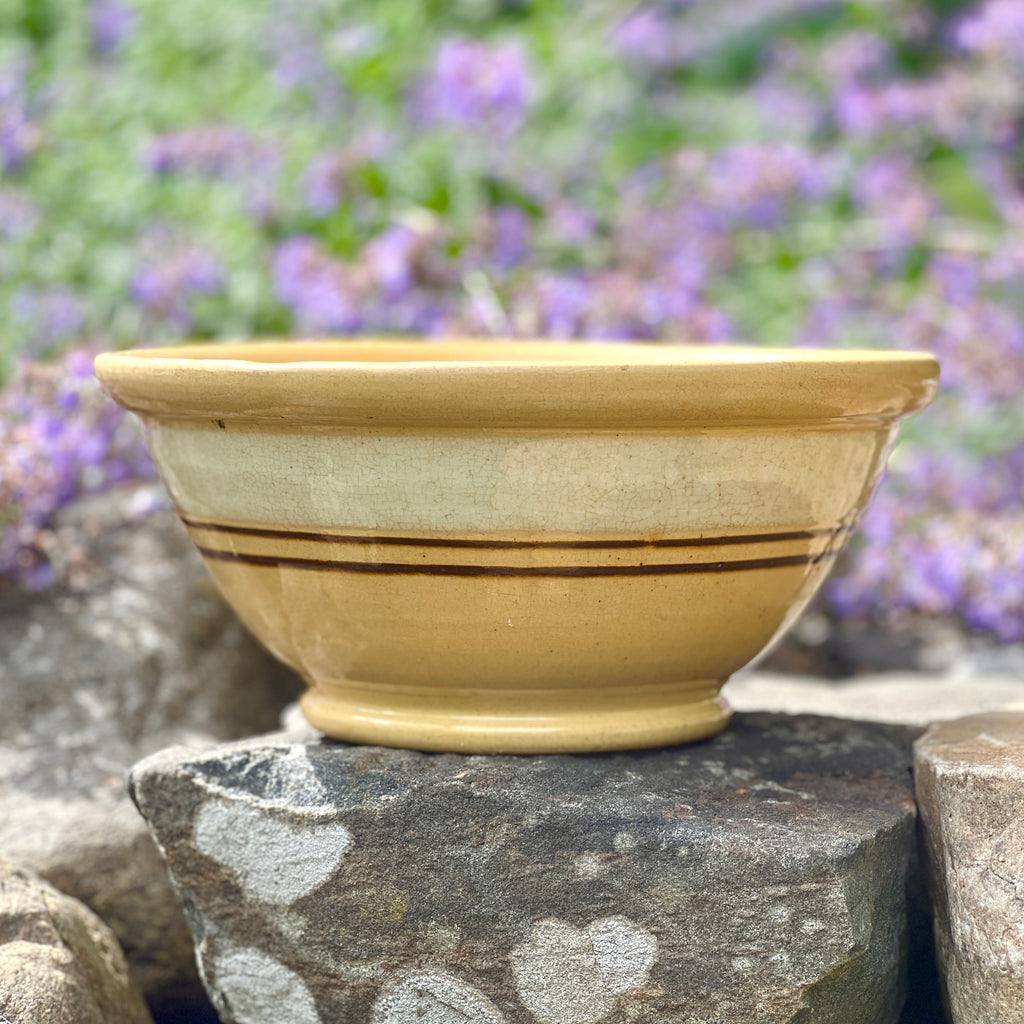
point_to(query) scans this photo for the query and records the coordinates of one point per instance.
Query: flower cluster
(219, 152)
(479, 86)
(112, 23)
(47, 319)
(19, 134)
(966, 561)
(62, 439)
(996, 30)
(165, 285)
(212, 150)
(387, 290)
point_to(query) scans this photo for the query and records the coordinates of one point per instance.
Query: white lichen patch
(274, 861)
(624, 952)
(624, 842)
(588, 865)
(434, 997)
(275, 778)
(259, 989)
(774, 787)
(443, 938)
(566, 975)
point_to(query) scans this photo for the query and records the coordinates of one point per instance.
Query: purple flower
(419, 313)
(45, 318)
(480, 86)
(510, 236)
(794, 109)
(167, 283)
(296, 54)
(397, 284)
(665, 303)
(996, 607)
(564, 301)
(18, 213)
(935, 582)
(942, 538)
(957, 277)
(213, 151)
(391, 259)
(112, 23)
(323, 293)
(645, 36)
(943, 105)
(334, 175)
(223, 152)
(570, 223)
(63, 438)
(853, 57)
(19, 137)
(755, 182)
(889, 187)
(325, 182)
(293, 261)
(996, 29)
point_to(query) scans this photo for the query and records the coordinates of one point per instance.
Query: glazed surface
(498, 384)
(518, 547)
(656, 484)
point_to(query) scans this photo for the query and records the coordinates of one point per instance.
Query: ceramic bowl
(519, 547)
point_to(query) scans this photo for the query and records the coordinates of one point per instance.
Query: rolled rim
(496, 383)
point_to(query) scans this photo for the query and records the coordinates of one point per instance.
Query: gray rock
(908, 698)
(137, 653)
(59, 962)
(969, 777)
(757, 877)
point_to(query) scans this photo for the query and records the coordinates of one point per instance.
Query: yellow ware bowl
(521, 547)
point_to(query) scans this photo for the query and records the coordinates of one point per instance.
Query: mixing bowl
(524, 547)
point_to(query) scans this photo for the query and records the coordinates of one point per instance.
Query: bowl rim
(515, 383)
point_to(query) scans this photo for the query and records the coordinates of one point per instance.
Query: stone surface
(757, 877)
(969, 777)
(138, 653)
(59, 963)
(909, 698)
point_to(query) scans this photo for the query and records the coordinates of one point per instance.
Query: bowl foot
(517, 722)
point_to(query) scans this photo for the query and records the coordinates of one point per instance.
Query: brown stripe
(409, 569)
(458, 542)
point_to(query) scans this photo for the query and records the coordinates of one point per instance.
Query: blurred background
(783, 172)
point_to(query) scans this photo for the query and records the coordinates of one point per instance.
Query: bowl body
(517, 547)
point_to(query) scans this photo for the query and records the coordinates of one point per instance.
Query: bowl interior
(506, 350)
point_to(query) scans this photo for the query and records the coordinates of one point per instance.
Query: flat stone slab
(757, 877)
(969, 776)
(908, 698)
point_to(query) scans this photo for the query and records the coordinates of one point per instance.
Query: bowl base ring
(517, 722)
